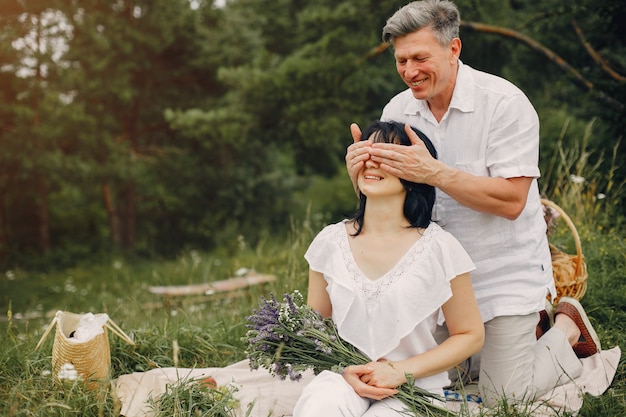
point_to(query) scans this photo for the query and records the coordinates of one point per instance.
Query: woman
(387, 277)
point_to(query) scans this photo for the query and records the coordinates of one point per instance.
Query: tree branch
(377, 50)
(576, 76)
(595, 55)
(552, 56)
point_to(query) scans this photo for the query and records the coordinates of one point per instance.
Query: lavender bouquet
(289, 337)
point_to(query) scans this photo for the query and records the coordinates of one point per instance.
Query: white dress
(394, 316)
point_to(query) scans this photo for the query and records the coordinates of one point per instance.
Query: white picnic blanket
(271, 396)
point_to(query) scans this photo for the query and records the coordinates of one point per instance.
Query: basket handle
(570, 224)
(111, 325)
(48, 330)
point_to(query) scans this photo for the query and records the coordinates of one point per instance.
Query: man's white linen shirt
(490, 129)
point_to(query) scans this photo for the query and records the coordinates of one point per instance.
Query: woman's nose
(371, 164)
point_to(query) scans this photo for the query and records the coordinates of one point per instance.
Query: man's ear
(455, 49)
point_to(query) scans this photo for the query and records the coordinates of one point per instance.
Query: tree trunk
(42, 187)
(44, 218)
(130, 215)
(114, 221)
(4, 231)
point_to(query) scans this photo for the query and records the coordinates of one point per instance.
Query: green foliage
(575, 178)
(60, 399)
(194, 398)
(584, 35)
(154, 127)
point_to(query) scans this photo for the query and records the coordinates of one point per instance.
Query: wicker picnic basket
(569, 271)
(91, 359)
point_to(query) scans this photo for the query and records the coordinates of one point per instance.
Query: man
(487, 135)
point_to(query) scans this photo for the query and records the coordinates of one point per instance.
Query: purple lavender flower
(293, 374)
(290, 303)
(280, 370)
(290, 337)
(322, 347)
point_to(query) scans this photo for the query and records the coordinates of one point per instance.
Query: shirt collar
(463, 95)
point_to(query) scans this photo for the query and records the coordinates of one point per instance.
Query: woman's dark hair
(420, 198)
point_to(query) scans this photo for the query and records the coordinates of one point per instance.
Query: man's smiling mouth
(418, 83)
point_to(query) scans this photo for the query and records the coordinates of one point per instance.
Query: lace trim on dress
(372, 289)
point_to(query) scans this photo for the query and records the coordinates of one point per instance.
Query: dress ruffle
(375, 315)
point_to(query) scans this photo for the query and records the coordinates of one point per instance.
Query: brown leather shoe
(544, 324)
(546, 320)
(588, 344)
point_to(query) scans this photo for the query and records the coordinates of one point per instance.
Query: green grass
(188, 397)
(208, 334)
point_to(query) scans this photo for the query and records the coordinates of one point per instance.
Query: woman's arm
(467, 335)
(317, 296)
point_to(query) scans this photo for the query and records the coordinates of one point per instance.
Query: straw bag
(569, 271)
(90, 358)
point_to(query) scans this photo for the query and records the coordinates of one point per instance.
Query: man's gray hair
(441, 16)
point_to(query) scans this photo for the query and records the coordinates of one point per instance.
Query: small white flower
(233, 386)
(68, 372)
(10, 275)
(195, 257)
(297, 297)
(241, 241)
(576, 179)
(117, 265)
(67, 367)
(241, 272)
(601, 196)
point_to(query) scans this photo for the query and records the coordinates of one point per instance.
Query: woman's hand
(384, 374)
(356, 375)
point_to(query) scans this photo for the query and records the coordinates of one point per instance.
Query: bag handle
(110, 324)
(50, 326)
(572, 227)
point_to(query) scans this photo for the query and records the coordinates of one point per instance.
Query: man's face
(425, 66)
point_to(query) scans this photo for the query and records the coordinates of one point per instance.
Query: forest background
(151, 127)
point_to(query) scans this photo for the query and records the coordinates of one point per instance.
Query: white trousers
(329, 395)
(515, 365)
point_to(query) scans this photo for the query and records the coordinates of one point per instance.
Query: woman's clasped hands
(375, 380)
